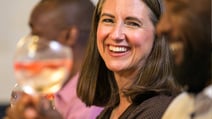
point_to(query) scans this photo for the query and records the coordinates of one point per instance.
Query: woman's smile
(117, 50)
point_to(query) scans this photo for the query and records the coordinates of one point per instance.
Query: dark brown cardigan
(151, 108)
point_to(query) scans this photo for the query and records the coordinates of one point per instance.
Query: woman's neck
(123, 81)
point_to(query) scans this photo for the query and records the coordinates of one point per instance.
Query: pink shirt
(70, 106)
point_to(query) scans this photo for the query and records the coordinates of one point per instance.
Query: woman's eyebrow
(133, 18)
(107, 14)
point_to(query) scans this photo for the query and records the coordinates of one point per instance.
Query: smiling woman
(131, 32)
(127, 68)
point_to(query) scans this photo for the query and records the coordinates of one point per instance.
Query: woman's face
(125, 34)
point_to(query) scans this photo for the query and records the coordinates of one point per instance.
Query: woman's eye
(133, 24)
(107, 20)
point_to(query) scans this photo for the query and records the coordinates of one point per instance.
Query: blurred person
(127, 68)
(67, 21)
(187, 26)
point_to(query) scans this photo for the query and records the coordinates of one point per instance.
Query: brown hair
(97, 85)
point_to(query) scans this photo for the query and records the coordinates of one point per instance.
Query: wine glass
(41, 66)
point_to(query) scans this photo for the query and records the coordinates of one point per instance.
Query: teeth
(117, 49)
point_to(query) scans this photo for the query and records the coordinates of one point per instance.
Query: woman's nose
(117, 32)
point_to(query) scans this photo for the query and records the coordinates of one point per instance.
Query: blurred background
(13, 25)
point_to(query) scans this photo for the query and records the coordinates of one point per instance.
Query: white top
(187, 105)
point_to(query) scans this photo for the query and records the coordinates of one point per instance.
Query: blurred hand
(31, 107)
